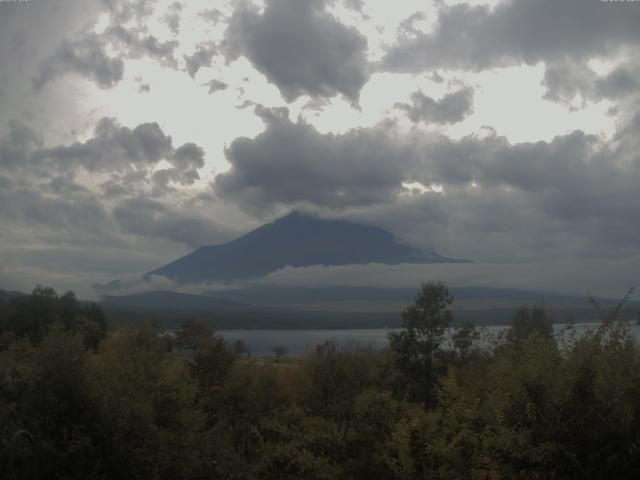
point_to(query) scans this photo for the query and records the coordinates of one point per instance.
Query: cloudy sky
(506, 132)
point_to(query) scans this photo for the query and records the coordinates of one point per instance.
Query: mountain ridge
(296, 240)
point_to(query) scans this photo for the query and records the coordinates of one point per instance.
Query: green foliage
(193, 335)
(333, 377)
(211, 362)
(463, 339)
(533, 405)
(32, 316)
(46, 391)
(150, 424)
(415, 346)
(528, 322)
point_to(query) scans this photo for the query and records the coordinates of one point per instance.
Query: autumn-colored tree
(534, 404)
(192, 335)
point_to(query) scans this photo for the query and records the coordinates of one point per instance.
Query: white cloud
(579, 277)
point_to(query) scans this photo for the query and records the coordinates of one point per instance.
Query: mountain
(276, 295)
(335, 308)
(8, 295)
(169, 309)
(176, 301)
(297, 240)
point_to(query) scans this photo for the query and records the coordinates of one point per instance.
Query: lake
(261, 342)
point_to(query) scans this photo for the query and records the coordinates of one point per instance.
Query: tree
(527, 322)
(149, 421)
(423, 327)
(211, 362)
(92, 323)
(279, 351)
(463, 339)
(55, 403)
(193, 335)
(32, 316)
(240, 348)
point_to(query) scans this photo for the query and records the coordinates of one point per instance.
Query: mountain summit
(297, 240)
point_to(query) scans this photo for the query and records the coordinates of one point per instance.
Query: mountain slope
(178, 301)
(297, 240)
(303, 308)
(8, 295)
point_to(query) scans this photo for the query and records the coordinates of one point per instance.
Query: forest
(81, 400)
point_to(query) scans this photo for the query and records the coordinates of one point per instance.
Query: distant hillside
(297, 240)
(288, 295)
(8, 295)
(178, 301)
(171, 308)
(330, 308)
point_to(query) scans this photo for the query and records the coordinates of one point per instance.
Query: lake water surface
(261, 342)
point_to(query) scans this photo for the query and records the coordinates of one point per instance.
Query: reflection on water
(261, 342)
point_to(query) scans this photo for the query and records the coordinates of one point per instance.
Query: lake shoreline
(261, 342)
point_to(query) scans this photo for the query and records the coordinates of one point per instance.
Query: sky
(505, 132)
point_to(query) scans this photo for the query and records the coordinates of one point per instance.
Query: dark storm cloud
(452, 108)
(19, 141)
(622, 81)
(571, 195)
(112, 148)
(213, 15)
(22, 136)
(137, 42)
(408, 27)
(300, 47)
(574, 193)
(292, 162)
(113, 189)
(186, 161)
(565, 80)
(125, 10)
(5, 183)
(100, 56)
(130, 156)
(150, 218)
(74, 216)
(568, 80)
(172, 17)
(356, 5)
(517, 31)
(46, 196)
(85, 56)
(215, 85)
(501, 224)
(201, 57)
(66, 185)
(188, 157)
(574, 176)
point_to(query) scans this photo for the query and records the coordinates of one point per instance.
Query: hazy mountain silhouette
(8, 295)
(297, 240)
(179, 301)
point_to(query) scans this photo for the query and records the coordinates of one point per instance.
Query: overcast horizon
(504, 132)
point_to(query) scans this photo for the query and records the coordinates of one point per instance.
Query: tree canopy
(438, 403)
